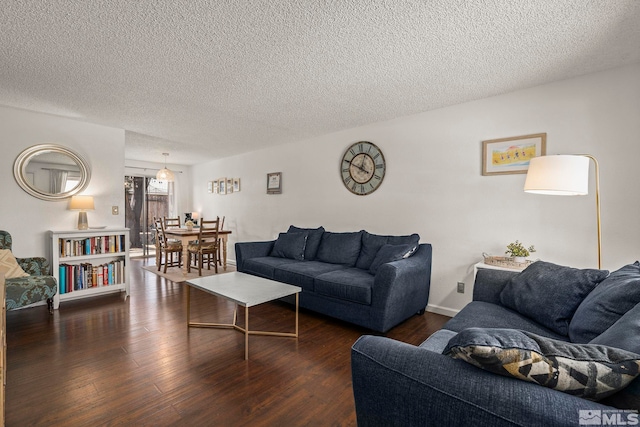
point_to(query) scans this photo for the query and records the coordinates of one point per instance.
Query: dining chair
(220, 243)
(171, 222)
(167, 248)
(157, 227)
(206, 247)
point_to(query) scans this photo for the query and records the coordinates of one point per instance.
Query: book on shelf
(77, 277)
(68, 247)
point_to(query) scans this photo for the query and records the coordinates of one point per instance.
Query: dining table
(185, 235)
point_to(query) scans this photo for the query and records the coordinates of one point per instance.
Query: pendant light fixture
(165, 174)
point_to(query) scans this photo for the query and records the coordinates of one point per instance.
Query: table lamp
(82, 204)
(565, 175)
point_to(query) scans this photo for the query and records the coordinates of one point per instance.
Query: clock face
(362, 168)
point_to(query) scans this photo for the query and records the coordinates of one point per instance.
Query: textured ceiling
(209, 79)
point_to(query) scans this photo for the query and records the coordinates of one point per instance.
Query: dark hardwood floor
(106, 361)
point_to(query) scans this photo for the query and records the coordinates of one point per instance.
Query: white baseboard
(445, 311)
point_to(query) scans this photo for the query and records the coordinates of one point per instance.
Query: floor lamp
(564, 175)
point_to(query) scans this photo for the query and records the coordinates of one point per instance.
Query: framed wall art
(511, 155)
(222, 183)
(274, 183)
(229, 185)
(236, 185)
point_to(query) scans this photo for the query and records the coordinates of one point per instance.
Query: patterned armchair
(39, 286)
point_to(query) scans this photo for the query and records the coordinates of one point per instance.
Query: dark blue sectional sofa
(370, 280)
(582, 323)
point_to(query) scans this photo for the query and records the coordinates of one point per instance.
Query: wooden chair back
(162, 238)
(157, 223)
(171, 223)
(208, 232)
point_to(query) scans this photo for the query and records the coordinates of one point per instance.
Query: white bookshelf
(92, 248)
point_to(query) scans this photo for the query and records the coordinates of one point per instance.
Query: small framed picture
(229, 185)
(274, 183)
(222, 182)
(216, 187)
(236, 185)
(210, 187)
(511, 155)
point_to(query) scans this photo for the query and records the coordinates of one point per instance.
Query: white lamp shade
(563, 175)
(81, 203)
(165, 174)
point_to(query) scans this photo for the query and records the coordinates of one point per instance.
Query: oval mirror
(51, 172)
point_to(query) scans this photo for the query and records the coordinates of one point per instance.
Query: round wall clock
(362, 168)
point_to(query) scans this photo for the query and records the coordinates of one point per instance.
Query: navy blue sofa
(370, 280)
(397, 384)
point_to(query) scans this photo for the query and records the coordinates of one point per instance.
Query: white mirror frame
(20, 167)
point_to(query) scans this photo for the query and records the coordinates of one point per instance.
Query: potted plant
(189, 225)
(518, 252)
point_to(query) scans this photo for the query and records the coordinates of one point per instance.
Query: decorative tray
(507, 262)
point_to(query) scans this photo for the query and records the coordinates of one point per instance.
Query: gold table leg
(239, 328)
(246, 333)
(188, 305)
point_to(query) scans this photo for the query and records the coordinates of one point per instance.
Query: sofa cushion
(265, 266)
(390, 253)
(589, 371)
(303, 273)
(624, 334)
(290, 245)
(9, 266)
(313, 240)
(487, 315)
(371, 244)
(340, 248)
(608, 302)
(550, 293)
(351, 284)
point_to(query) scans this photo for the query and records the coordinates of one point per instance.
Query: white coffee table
(244, 290)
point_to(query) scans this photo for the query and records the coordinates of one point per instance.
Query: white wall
(434, 186)
(27, 218)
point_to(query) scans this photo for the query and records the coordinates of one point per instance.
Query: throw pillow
(290, 245)
(390, 253)
(9, 266)
(340, 248)
(371, 244)
(624, 334)
(550, 293)
(313, 240)
(589, 371)
(608, 302)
